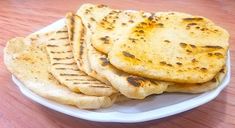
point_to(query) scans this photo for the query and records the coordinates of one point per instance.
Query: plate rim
(132, 117)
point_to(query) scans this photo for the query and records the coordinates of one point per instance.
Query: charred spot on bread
(127, 54)
(105, 61)
(135, 81)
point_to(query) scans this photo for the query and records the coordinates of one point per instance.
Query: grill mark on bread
(105, 39)
(193, 46)
(59, 52)
(163, 63)
(151, 17)
(191, 24)
(189, 51)
(203, 69)
(105, 61)
(76, 79)
(92, 19)
(63, 38)
(65, 58)
(183, 45)
(73, 69)
(73, 63)
(127, 54)
(72, 27)
(213, 80)
(167, 41)
(62, 31)
(82, 34)
(87, 82)
(52, 45)
(52, 39)
(67, 74)
(67, 44)
(192, 19)
(101, 6)
(194, 60)
(222, 70)
(135, 81)
(213, 46)
(178, 63)
(97, 86)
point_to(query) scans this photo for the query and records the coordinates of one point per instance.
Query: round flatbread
(174, 47)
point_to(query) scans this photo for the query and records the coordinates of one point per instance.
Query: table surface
(22, 17)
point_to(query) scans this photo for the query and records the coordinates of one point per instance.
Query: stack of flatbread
(103, 55)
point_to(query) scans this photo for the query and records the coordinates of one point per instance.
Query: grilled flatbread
(64, 68)
(198, 88)
(107, 29)
(77, 36)
(119, 79)
(93, 13)
(139, 87)
(112, 77)
(108, 25)
(29, 63)
(198, 48)
(129, 85)
(113, 27)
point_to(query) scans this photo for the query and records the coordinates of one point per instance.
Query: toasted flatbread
(113, 27)
(131, 86)
(29, 63)
(174, 47)
(77, 36)
(64, 68)
(198, 88)
(119, 79)
(93, 13)
(108, 25)
(139, 87)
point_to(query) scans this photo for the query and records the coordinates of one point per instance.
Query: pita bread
(123, 81)
(93, 13)
(29, 63)
(198, 48)
(64, 68)
(108, 25)
(131, 86)
(198, 88)
(118, 79)
(113, 27)
(77, 37)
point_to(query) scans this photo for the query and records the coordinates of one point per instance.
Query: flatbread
(107, 28)
(198, 88)
(93, 13)
(119, 79)
(64, 67)
(77, 36)
(113, 27)
(29, 63)
(108, 25)
(139, 87)
(198, 48)
(131, 86)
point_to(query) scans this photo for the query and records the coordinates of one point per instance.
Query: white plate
(151, 108)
